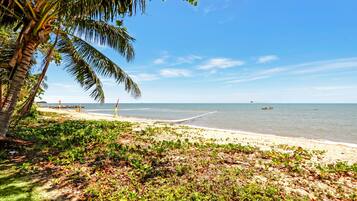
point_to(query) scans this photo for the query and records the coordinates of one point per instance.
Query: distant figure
(79, 108)
(116, 109)
(59, 104)
(267, 108)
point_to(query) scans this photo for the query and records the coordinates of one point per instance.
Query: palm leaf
(104, 34)
(80, 69)
(102, 9)
(7, 46)
(104, 66)
(6, 53)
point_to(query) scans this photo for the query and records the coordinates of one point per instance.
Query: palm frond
(80, 69)
(7, 46)
(8, 13)
(102, 9)
(4, 75)
(102, 33)
(104, 66)
(6, 53)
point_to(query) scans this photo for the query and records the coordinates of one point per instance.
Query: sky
(233, 51)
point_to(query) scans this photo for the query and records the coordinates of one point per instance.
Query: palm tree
(25, 109)
(76, 28)
(3, 81)
(75, 24)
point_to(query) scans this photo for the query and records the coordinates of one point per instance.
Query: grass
(103, 160)
(14, 186)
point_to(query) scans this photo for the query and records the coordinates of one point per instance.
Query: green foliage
(193, 2)
(100, 155)
(74, 140)
(16, 186)
(255, 191)
(339, 168)
(182, 169)
(292, 159)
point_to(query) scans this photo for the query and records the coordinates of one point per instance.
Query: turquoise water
(334, 122)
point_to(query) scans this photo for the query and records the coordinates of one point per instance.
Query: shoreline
(177, 122)
(324, 141)
(334, 151)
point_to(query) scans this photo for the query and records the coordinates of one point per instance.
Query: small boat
(267, 108)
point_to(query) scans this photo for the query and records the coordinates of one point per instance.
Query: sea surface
(333, 122)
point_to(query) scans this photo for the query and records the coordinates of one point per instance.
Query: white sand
(334, 151)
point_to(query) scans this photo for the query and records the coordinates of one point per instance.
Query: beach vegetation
(340, 167)
(92, 157)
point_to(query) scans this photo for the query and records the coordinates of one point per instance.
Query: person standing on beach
(116, 109)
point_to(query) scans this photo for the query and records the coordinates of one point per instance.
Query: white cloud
(159, 61)
(162, 59)
(267, 59)
(108, 82)
(174, 61)
(209, 9)
(220, 63)
(248, 79)
(60, 85)
(216, 7)
(171, 72)
(272, 71)
(188, 59)
(144, 77)
(264, 74)
(329, 65)
(333, 88)
(299, 69)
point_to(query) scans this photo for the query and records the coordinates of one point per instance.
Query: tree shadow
(19, 183)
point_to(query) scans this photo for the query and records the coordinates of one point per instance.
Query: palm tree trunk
(15, 85)
(30, 100)
(0, 94)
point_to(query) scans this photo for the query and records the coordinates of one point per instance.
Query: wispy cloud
(172, 72)
(188, 59)
(216, 7)
(272, 71)
(248, 79)
(161, 60)
(321, 66)
(170, 60)
(145, 77)
(166, 73)
(108, 82)
(298, 69)
(267, 59)
(60, 85)
(259, 75)
(333, 88)
(209, 9)
(220, 63)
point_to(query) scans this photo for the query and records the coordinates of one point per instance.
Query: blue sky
(234, 51)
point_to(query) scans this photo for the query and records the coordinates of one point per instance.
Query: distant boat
(251, 101)
(267, 108)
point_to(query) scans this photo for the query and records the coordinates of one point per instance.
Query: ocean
(333, 122)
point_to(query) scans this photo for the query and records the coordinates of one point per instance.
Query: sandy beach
(334, 151)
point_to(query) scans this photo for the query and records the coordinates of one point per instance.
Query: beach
(333, 151)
